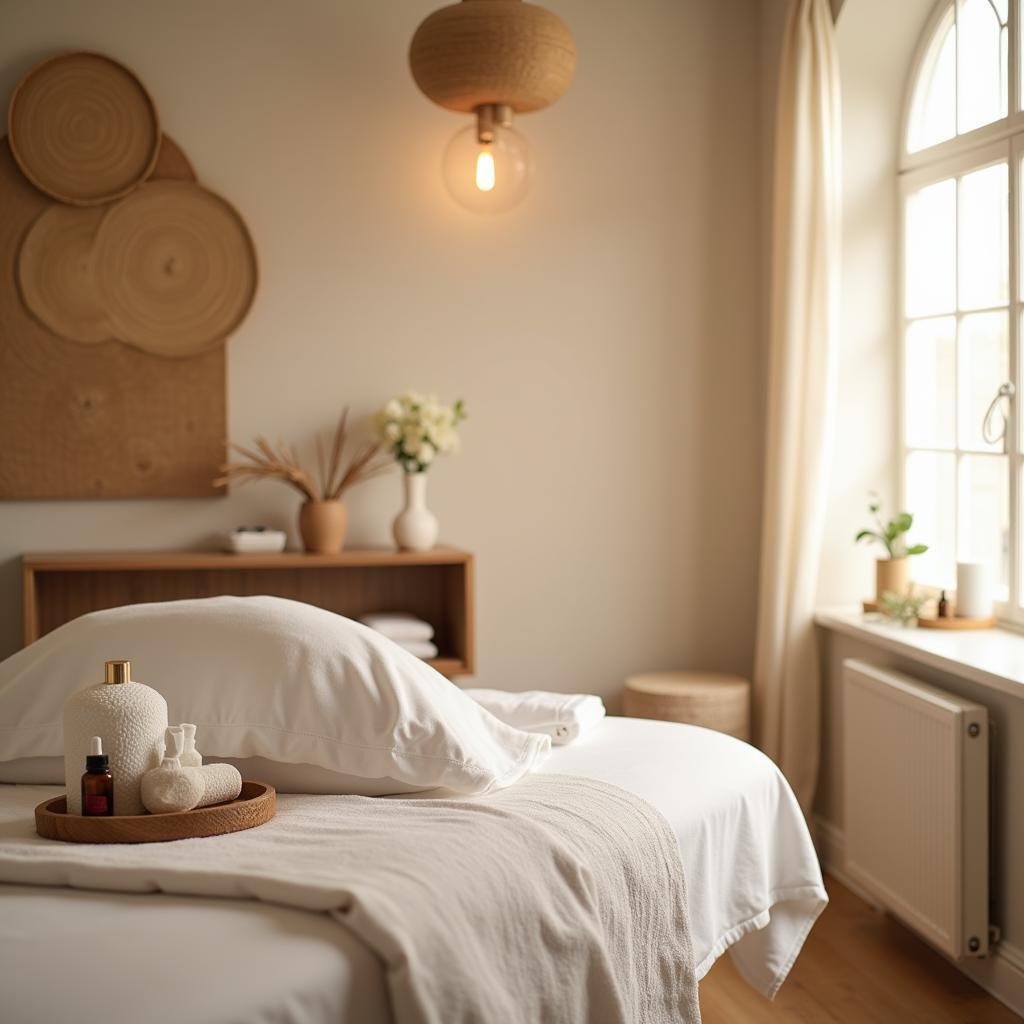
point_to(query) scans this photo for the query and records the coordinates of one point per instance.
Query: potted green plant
(892, 573)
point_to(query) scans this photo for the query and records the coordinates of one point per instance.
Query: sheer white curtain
(803, 344)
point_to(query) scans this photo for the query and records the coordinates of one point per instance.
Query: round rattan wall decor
(83, 129)
(55, 273)
(174, 267)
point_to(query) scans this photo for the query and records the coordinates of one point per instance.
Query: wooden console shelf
(436, 585)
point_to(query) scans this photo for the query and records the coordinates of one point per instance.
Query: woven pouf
(710, 699)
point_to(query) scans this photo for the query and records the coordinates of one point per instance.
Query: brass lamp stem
(490, 116)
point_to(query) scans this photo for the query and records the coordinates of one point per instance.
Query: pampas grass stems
(335, 475)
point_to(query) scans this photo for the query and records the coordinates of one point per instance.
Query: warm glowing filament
(485, 171)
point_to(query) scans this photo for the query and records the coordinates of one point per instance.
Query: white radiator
(915, 793)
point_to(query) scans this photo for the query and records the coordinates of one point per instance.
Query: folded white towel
(562, 716)
(421, 648)
(399, 626)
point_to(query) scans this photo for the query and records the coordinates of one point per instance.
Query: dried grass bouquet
(335, 475)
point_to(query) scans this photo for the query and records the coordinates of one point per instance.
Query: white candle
(973, 590)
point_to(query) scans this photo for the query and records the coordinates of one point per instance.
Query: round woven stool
(710, 699)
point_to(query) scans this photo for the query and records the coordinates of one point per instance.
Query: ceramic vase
(416, 527)
(322, 525)
(891, 574)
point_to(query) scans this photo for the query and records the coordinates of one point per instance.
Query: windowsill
(990, 657)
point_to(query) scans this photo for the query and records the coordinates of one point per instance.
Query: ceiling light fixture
(493, 59)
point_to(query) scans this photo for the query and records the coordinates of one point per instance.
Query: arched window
(962, 290)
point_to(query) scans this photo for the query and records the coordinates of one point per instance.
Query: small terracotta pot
(891, 574)
(322, 525)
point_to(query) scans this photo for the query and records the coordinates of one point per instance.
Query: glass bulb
(488, 177)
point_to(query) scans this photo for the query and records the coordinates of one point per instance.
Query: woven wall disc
(55, 273)
(493, 51)
(83, 129)
(174, 267)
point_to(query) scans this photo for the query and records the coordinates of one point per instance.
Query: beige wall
(605, 336)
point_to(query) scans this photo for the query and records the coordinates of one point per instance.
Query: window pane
(929, 384)
(984, 254)
(985, 516)
(931, 499)
(984, 365)
(981, 73)
(933, 113)
(931, 250)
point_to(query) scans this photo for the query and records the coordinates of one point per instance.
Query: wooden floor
(857, 967)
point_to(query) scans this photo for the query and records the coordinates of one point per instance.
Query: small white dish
(255, 542)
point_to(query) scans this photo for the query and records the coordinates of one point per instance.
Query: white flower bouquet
(416, 428)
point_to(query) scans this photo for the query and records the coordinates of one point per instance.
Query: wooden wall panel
(103, 420)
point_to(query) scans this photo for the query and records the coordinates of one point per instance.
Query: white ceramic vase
(416, 527)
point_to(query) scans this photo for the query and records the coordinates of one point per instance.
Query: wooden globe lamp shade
(491, 58)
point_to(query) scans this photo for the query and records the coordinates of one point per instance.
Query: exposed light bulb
(488, 166)
(485, 170)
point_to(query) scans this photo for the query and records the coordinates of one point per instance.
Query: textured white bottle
(131, 719)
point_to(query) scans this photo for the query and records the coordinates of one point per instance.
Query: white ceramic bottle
(131, 719)
(190, 757)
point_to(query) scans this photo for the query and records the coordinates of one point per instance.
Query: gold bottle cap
(118, 672)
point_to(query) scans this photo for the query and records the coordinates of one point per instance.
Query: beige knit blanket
(560, 899)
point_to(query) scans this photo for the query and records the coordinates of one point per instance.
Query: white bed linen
(752, 877)
(752, 874)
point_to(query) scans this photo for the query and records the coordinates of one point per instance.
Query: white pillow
(263, 677)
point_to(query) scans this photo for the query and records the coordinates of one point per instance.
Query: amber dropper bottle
(97, 782)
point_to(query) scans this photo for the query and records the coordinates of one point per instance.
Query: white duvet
(753, 881)
(752, 874)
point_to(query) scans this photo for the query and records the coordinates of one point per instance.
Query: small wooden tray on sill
(956, 623)
(255, 806)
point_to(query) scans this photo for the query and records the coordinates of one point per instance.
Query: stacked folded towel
(562, 716)
(406, 630)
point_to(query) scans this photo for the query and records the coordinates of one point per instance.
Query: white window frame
(974, 150)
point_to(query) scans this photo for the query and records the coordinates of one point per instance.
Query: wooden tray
(956, 623)
(254, 806)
